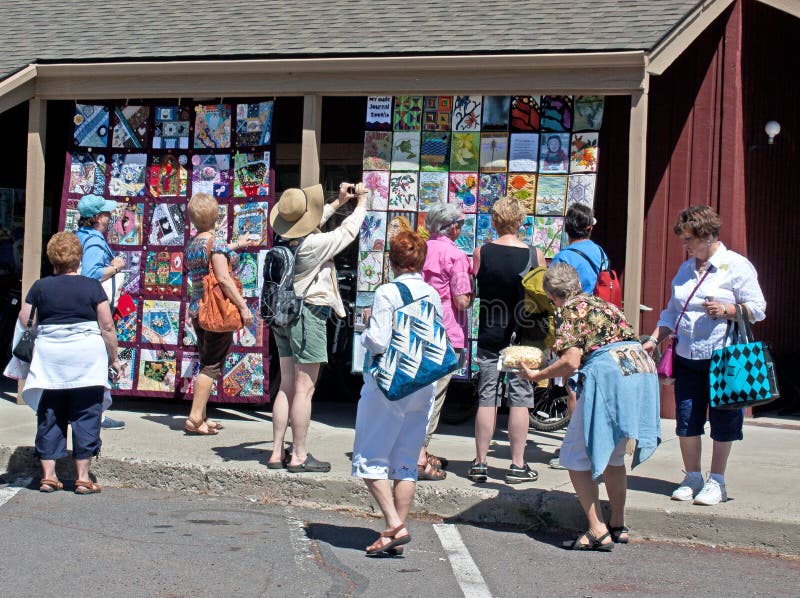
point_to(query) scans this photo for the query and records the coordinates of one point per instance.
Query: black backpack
(280, 305)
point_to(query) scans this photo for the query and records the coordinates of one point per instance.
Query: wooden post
(312, 134)
(34, 198)
(634, 249)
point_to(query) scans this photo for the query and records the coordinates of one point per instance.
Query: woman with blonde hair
(67, 381)
(206, 251)
(497, 267)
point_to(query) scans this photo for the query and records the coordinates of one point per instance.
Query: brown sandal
(191, 427)
(390, 548)
(429, 473)
(437, 462)
(46, 485)
(86, 487)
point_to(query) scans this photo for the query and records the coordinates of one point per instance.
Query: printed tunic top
(588, 323)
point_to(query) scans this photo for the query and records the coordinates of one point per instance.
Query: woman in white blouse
(723, 279)
(389, 434)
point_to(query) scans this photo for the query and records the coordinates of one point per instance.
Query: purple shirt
(448, 271)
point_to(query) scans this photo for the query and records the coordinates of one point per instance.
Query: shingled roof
(48, 31)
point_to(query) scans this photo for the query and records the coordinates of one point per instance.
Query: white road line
(8, 493)
(301, 544)
(467, 574)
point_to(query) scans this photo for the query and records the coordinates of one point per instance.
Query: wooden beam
(19, 87)
(312, 136)
(34, 193)
(575, 74)
(34, 197)
(681, 37)
(634, 249)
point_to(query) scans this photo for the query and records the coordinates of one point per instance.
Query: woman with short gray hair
(561, 280)
(441, 217)
(447, 270)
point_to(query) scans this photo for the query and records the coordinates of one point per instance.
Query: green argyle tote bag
(742, 374)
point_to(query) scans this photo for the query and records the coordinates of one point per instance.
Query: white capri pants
(389, 434)
(573, 453)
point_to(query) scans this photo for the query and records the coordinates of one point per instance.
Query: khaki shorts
(306, 339)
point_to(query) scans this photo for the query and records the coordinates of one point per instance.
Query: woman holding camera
(303, 346)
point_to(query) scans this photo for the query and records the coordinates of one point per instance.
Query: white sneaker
(712, 493)
(690, 486)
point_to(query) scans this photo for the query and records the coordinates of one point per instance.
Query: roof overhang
(682, 35)
(611, 73)
(689, 29)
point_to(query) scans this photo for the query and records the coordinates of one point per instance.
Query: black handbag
(23, 350)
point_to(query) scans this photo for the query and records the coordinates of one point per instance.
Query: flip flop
(87, 487)
(47, 485)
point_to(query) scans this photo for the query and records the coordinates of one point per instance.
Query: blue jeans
(691, 404)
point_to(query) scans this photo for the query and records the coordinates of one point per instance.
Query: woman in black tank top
(497, 266)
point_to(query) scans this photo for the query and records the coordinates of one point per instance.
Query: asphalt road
(127, 542)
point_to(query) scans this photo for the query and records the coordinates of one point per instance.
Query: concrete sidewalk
(153, 452)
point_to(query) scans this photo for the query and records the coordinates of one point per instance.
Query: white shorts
(573, 453)
(389, 434)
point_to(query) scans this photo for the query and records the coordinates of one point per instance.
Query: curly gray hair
(440, 216)
(562, 281)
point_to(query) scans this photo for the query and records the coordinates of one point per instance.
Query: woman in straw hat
(302, 346)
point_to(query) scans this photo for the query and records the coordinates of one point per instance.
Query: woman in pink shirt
(447, 269)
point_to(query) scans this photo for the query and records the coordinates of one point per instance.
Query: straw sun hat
(298, 212)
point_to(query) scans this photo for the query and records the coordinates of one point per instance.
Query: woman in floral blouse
(617, 410)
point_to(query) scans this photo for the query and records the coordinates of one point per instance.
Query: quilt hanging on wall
(472, 150)
(151, 158)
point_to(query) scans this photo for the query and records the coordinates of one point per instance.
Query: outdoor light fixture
(772, 128)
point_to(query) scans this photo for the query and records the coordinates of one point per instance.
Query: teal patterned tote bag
(742, 374)
(419, 352)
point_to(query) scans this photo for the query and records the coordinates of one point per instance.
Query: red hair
(407, 251)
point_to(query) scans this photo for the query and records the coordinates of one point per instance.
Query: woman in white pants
(389, 434)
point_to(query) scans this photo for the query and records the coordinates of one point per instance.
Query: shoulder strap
(405, 293)
(208, 248)
(586, 257)
(294, 269)
(533, 260)
(31, 316)
(685, 305)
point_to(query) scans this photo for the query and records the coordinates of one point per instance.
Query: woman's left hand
(715, 309)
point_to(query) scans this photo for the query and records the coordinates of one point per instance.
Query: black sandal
(616, 532)
(595, 544)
